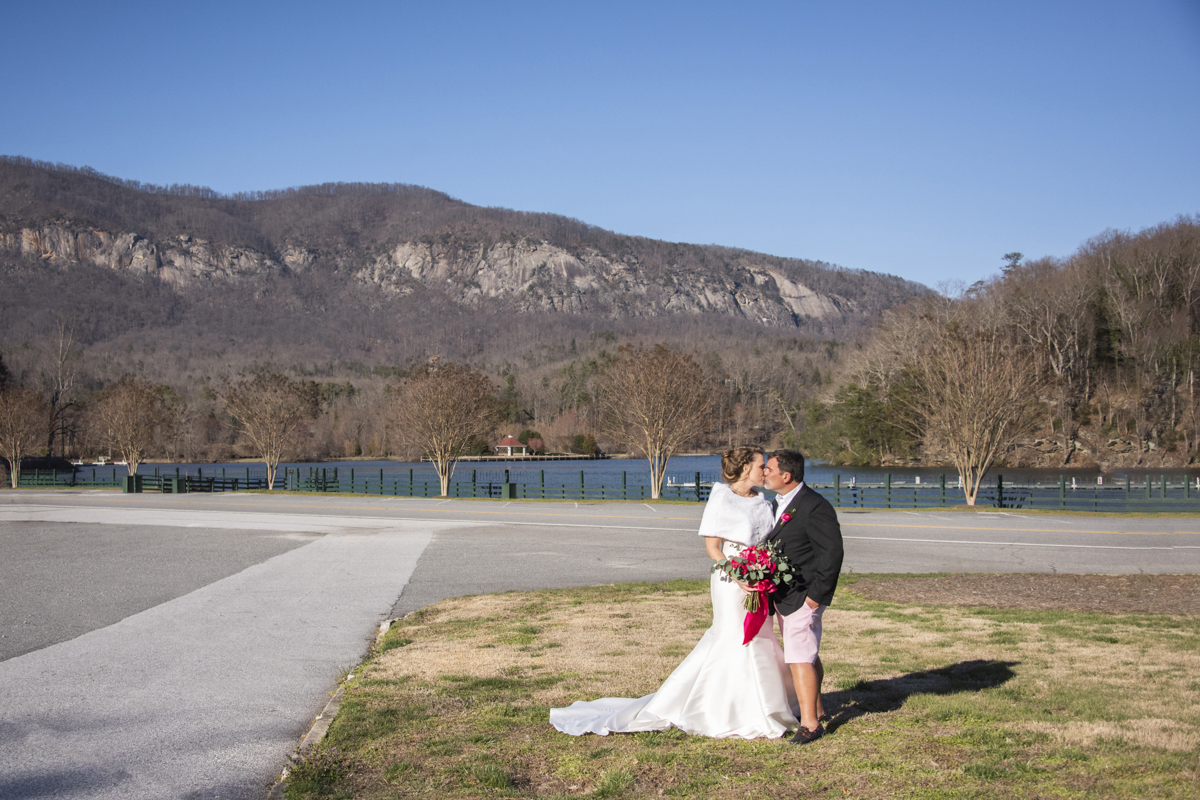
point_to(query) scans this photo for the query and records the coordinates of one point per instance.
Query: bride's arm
(712, 546)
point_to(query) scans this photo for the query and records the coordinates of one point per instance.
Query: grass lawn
(928, 702)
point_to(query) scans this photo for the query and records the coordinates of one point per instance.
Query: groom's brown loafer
(804, 735)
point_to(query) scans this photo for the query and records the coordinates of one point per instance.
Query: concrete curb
(321, 723)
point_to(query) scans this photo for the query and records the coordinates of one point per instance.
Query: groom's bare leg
(820, 670)
(808, 678)
(801, 642)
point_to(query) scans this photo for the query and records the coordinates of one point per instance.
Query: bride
(723, 688)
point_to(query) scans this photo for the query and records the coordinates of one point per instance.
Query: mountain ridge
(397, 238)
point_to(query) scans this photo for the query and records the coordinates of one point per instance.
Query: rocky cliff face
(538, 276)
(531, 276)
(181, 262)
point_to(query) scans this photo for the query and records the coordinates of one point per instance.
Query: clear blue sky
(922, 139)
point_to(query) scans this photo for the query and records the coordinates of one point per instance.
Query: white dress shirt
(781, 501)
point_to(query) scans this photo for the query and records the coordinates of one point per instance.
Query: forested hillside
(345, 284)
(402, 240)
(1110, 336)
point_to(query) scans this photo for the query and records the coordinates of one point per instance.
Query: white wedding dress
(723, 688)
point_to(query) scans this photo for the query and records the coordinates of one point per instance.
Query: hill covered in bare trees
(341, 285)
(1102, 349)
(367, 245)
(345, 287)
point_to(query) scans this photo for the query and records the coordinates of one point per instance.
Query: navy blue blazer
(811, 539)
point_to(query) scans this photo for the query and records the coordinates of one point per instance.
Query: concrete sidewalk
(205, 695)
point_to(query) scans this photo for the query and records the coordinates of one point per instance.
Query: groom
(806, 527)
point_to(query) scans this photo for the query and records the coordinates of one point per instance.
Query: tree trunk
(658, 470)
(445, 471)
(1065, 413)
(970, 481)
(657, 473)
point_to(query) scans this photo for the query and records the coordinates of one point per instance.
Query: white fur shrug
(745, 520)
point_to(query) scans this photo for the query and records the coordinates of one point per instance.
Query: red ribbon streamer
(755, 619)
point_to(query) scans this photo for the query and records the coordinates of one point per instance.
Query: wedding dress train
(723, 688)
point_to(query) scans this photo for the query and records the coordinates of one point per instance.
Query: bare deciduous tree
(59, 378)
(1049, 304)
(657, 401)
(269, 408)
(974, 394)
(129, 413)
(180, 416)
(23, 415)
(440, 409)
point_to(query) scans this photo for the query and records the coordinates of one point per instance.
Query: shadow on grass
(868, 697)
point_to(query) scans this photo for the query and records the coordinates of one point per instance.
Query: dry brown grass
(628, 647)
(1155, 594)
(939, 702)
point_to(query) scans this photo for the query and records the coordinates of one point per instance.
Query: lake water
(684, 468)
(688, 478)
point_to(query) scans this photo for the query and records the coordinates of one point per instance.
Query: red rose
(786, 517)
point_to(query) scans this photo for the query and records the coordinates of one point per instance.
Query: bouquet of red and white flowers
(764, 569)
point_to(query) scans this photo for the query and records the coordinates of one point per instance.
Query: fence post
(410, 482)
(837, 490)
(582, 496)
(697, 487)
(942, 481)
(1164, 486)
(999, 491)
(1147, 486)
(1062, 491)
(888, 490)
(542, 483)
(624, 475)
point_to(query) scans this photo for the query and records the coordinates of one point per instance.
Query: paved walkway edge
(323, 720)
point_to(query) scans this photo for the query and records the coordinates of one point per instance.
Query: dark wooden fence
(1161, 494)
(505, 484)
(1181, 494)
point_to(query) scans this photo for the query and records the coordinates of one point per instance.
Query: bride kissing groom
(725, 688)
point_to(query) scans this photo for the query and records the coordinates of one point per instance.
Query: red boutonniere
(786, 517)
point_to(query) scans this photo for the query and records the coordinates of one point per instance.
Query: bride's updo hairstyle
(735, 461)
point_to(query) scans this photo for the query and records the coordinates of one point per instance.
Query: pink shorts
(801, 631)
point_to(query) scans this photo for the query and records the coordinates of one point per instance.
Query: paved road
(178, 646)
